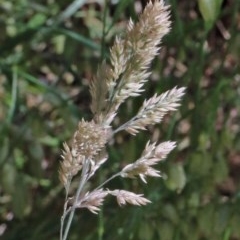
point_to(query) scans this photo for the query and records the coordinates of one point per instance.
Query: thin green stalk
(108, 180)
(14, 95)
(100, 225)
(82, 181)
(69, 11)
(104, 33)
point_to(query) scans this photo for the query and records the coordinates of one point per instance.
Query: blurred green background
(49, 52)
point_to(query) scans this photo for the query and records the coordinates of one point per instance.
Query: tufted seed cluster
(88, 141)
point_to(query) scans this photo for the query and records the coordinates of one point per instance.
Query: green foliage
(45, 68)
(210, 10)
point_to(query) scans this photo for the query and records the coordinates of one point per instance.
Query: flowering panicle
(130, 58)
(151, 155)
(99, 89)
(92, 200)
(88, 141)
(153, 110)
(123, 77)
(70, 165)
(124, 197)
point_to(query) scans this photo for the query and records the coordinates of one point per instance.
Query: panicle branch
(151, 155)
(153, 110)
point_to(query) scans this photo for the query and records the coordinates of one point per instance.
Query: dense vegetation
(50, 52)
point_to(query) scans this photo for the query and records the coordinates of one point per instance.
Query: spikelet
(151, 155)
(87, 143)
(124, 197)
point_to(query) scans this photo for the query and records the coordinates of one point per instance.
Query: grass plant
(124, 77)
(49, 52)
